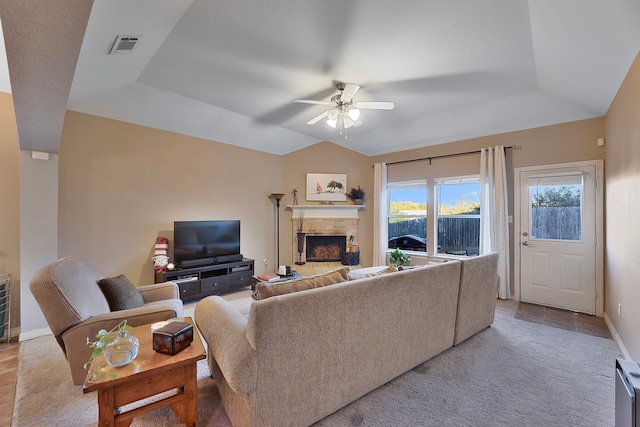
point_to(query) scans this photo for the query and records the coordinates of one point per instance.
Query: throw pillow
(265, 290)
(370, 272)
(120, 293)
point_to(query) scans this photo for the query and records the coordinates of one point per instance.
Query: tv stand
(215, 279)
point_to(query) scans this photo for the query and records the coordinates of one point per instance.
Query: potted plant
(357, 195)
(399, 258)
(120, 348)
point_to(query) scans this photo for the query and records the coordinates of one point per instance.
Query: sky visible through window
(450, 197)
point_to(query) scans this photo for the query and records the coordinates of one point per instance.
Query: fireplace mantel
(325, 211)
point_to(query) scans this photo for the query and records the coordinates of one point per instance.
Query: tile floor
(555, 318)
(552, 317)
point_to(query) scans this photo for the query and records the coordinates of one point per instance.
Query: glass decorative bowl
(122, 350)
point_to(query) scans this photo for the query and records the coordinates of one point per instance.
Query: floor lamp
(277, 197)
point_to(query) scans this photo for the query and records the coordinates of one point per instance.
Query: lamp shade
(347, 122)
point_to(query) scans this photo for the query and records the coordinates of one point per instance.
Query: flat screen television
(202, 240)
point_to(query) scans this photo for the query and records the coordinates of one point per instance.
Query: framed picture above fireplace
(327, 187)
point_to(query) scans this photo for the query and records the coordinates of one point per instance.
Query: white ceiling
(229, 70)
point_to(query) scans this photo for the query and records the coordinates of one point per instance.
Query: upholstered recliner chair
(76, 308)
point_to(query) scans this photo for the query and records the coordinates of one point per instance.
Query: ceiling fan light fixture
(347, 122)
(343, 112)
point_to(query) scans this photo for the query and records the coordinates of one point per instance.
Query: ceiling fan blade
(349, 92)
(311, 101)
(317, 118)
(375, 105)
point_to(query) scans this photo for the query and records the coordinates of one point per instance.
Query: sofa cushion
(265, 290)
(120, 293)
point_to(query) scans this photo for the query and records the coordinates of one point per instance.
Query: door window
(556, 207)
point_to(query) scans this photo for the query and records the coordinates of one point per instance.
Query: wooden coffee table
(173, 378)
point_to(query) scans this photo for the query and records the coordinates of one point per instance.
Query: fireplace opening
(325, 248)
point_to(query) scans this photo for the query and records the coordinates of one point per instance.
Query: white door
(557, 237)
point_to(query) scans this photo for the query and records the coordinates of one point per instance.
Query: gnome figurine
(160, 258)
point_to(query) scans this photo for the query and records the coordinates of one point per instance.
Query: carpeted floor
(514, 373)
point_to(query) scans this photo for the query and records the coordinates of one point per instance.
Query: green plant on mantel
(399, 258)
(357, 195)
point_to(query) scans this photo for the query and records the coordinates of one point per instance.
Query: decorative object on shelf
(119, 347)
(350, 258)
(301, 237)
(357, 196)
(326, 187)
(160, 258)
(399, 258)
(277, 197)
(285, 270)
(294, 193)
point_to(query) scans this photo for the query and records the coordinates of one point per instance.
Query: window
(458, 215)
(556, 207)
(407, 215)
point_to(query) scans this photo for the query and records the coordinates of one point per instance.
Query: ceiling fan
(343, 112)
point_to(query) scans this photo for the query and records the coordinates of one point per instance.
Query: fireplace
(325, 248)
(339, 222)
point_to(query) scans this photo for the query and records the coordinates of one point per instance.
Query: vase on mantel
(301, 237)
(122, 350)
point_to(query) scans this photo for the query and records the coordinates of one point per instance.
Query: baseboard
(35, 334)
(616, 337)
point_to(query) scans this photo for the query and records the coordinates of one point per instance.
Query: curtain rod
(513, 147)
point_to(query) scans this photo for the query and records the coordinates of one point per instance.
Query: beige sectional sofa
(298, 357)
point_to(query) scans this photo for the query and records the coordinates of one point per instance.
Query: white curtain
(494, 216)
(380, 227)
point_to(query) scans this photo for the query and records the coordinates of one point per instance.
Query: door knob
(525, 243)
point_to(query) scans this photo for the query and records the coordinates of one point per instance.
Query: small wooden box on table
(150, 374)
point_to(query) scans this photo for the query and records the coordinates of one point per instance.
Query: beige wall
(568, 142)
(10, 191)
(622, 172)
(122, 185)
(38, 232)
(326, 157)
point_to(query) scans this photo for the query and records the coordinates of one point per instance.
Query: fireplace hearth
(325, 248)
(330, 226)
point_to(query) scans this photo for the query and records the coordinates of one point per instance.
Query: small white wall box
(39, 155)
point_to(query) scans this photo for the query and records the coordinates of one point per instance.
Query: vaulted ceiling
(229, 70)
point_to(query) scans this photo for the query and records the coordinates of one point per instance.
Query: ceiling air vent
(124, 44)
